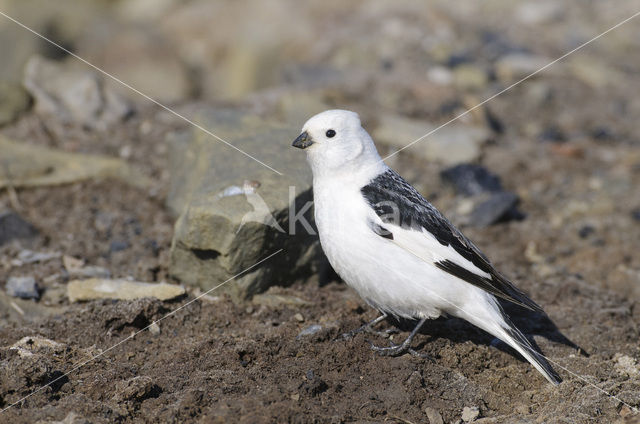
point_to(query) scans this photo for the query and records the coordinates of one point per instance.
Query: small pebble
(118, 245)
(154, 328)
(309, 331)
(298, 317)
(433, 416)
(499, 207)
(586, 231)
(470, 414)
(22, 287)
(470, 179)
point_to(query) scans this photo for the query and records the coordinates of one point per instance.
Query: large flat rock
(232, 211)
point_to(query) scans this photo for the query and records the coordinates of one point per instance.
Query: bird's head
(335, 140)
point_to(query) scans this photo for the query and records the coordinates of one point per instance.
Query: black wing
(395, 201)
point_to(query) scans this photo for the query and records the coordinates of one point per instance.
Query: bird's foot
(397, 350)
(405, 347)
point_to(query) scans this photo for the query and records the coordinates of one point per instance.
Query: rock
(539, 12)
(136, 389)
(626, 365)
(469, 179)
(154, 329)
(515, 66)
(15, 100)
(440, 75)
(586, 230)
(298, 317)
(26, 165)
(139, 56)
(76, 269)
(22, 287)
(73, 95)
(450, 145)
(99, 288)
(470, 413)
(552, 134)
(233, 212)
(309, 331)
(470, 77)
(27, 256)
(499, 207)
(433, 416)
(118, 245)
(31, 345)
(12, 226)
(594, 74)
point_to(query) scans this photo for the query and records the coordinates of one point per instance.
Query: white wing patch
(425, 246)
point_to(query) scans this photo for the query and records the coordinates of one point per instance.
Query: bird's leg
(396, 350)
(368, 327)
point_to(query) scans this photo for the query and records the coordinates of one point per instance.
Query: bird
(395, 249)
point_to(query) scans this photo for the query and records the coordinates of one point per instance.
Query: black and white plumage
(396, 249)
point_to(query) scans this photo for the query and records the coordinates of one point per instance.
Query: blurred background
(100, 182)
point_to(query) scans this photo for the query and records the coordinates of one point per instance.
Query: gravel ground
(565, 142)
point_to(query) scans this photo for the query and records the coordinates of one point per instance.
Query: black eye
(330, 133)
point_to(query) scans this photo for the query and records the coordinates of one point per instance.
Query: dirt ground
(215, 361)
(565, 142)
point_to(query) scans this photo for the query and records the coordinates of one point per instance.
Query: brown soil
(217, 361)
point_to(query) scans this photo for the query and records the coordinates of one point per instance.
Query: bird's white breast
(383, 274)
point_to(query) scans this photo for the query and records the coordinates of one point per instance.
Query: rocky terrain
(119, 209)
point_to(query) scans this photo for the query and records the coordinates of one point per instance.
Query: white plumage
(393, 247)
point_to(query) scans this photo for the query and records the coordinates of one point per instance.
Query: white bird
(394, 248)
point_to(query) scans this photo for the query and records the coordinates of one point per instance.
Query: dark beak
(303, 141)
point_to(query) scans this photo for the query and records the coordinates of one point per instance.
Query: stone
(30, 345)
(469, 179)
(539, 12)
(233, 212)
(13, 227)
(515, 66)
(470, 413)
(309, 331)
(77, 269)
(100, 288)
(470, 77)
(136, 389)
(450, 145)
(154, 329)
(22, 287)
(433, 416)
(626, 365)
(15, 100)
(499, 207)
(440, 75)
(27, 256)
(147, 66)
(73, 94)
(27, 165)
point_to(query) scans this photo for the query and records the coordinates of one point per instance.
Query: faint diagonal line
(586, 43)
(93, 358)
(168, 109)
